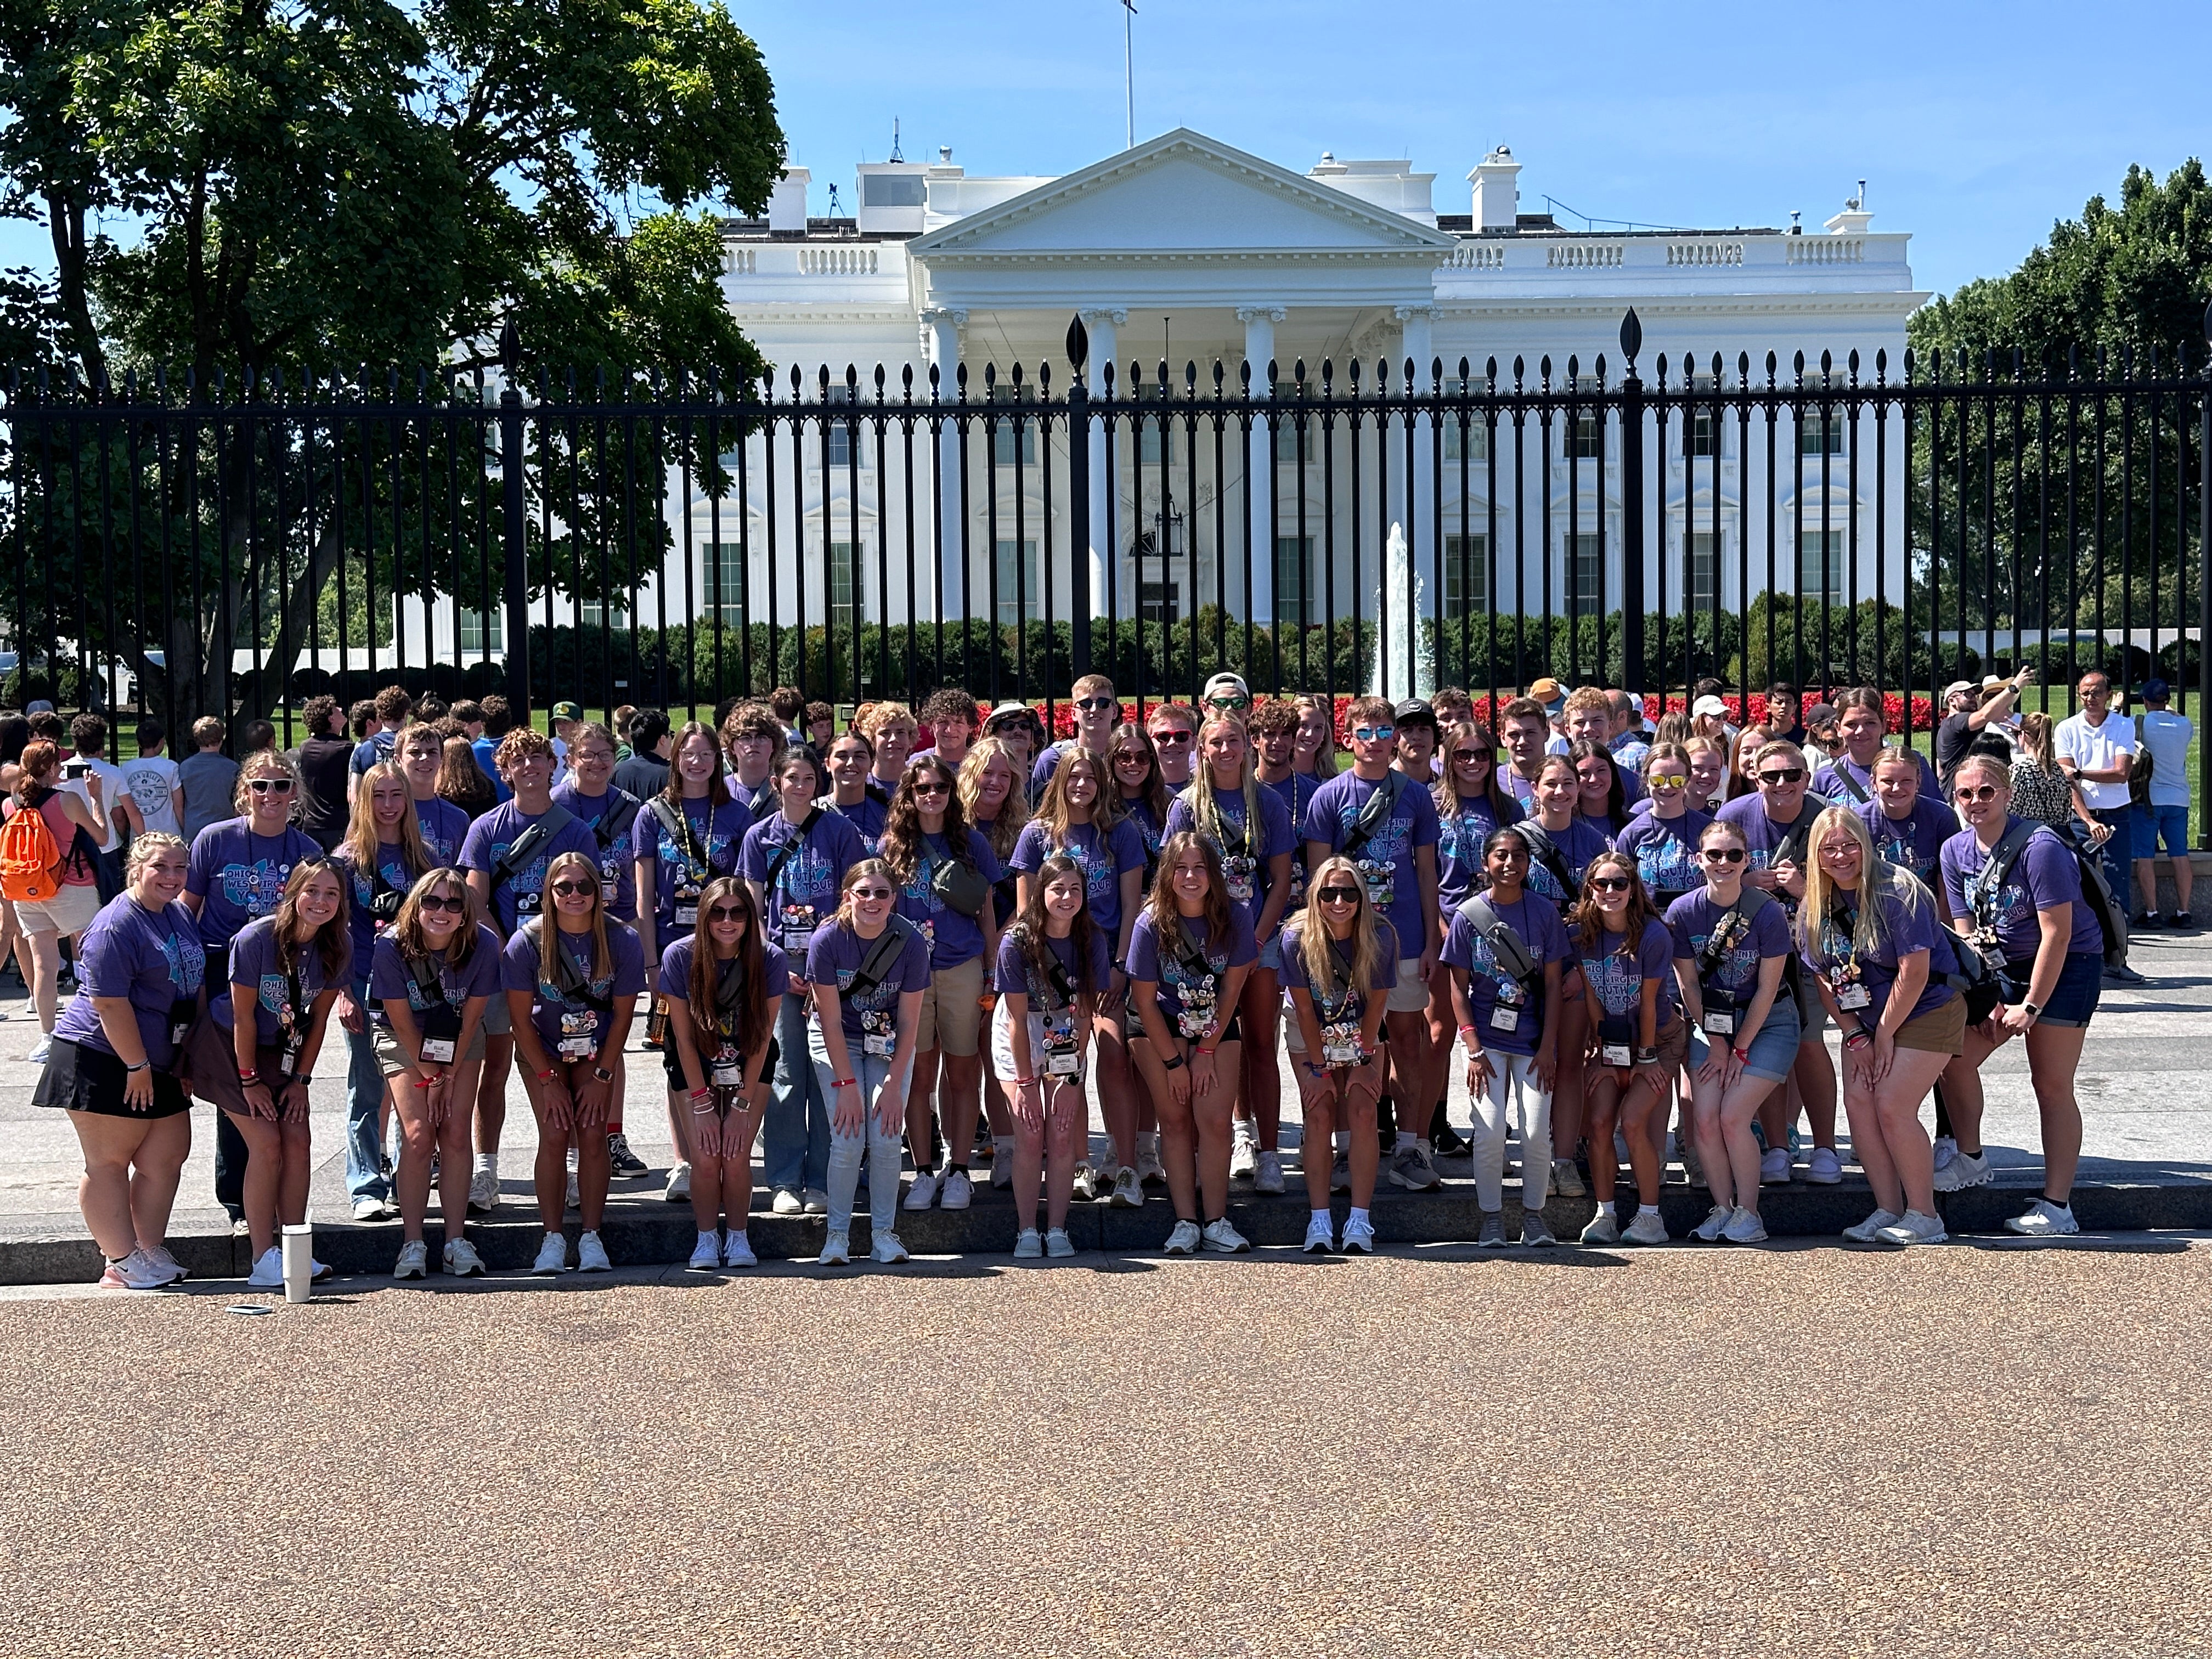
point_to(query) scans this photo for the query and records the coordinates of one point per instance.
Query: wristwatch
(603, 1074)
(1647, 1057)
(2033, 1013)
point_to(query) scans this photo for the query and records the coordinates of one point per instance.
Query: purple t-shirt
(1829, 780)
(156, 959)
(514, 898)
(1905, 928)
(1536, 922)
(1763, 837)
(574, 1025)
(253, 961)
(1296, 791)
(1615, 978)
(1577, 845)
(1387, 861)
(676, 968)
(613, 832)
(1188, 999)
(709, 848)
(835, 957)
(1016, 973)
(807, 884)
(1339, 1022)
(445, 830)
(1915, 841)
(389, 979)
(239, 876)
(1459, 835)
(1150, 830)
(1245, 871)
(1691, 919)
(867, 815)
(953, 939)
(2045, 874)
(361, 892)
(1666, 852)
(1102, 861)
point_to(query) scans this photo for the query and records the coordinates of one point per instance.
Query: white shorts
(1002, 1047)
(1410, 994)
(68, 913)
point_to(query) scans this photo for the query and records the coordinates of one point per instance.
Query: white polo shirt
(2098, 748)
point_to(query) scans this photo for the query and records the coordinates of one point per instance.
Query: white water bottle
(299, 1262)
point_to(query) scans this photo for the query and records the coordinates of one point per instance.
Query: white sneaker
(159, 1255)
(1184, 1241)
(268, 1273)
(1823, 1167)
(1268, 1177)
(1321, 1233)
(1914, 1228)
(592, 1255)
(1963, 1172)
(1002, 1161)
(1866, 1232)
(1220, 1235)
(136, 1271)
(1128, 1192)
(39, 1050)
(837, 1251)
(957, 1192)
(1340, 1174)
(678, 1189)
(1744, 1227)
(1359, 1236)
(887, 1248)
(706, 1254)
(413, 1261)
(1567, 1180)
(2045, 1219)
(814, 1201)
(374, 1209)
(1058, 1245)
(738, 1250)
(1946, 1148)
(552, 1256)
(1774, 1167)
(923, 1192)
(1085, 1187)
(462, 1261)
(1029, 1245)
(483, 1193)
(1148, 1167)
(785, 1202)
(1244, 1153)
(1645, 1230)
(1604, 1229)
(1716, 1222)
(1410, 1168)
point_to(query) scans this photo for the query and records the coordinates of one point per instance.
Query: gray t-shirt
(208, 778)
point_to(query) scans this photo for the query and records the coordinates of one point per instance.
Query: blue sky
(1975, 126)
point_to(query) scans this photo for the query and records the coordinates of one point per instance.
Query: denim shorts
(2155, 824)
(2073, 999)
(1270, 954)
(1773, 1051)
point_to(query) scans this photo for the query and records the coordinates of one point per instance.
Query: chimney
(786, 207)
(1496, 189)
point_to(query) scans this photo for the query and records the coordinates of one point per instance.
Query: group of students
(853, 950)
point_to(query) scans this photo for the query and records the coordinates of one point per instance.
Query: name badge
(1853, 995)
(1502, 1018)
(606, 889)
(439, 1051)
(576, 1047)
(687, 915)
(1720, 1024)
(1614, 1053)
(727, 1074)
(877, 1046)
(1059, 1062)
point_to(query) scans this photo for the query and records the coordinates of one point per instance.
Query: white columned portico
(944, 325)
(1259, 351)
(1414, 323)
(1103, 324)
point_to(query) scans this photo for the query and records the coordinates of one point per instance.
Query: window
(843, 589)
(1287, 439)
(1810, 575)
(891, 190)
(729, 567)
(1021, 585)
(1150, 438)
(1469, 592)
(1010, 440)
(1700, 427)
(595, 616)
(1586, 574)
(1478, 432)
(842, 436)
(1293, 579)
(1586, 436)
(1705, 570)
(1821, 431)
(474, 631)
(1156, 602)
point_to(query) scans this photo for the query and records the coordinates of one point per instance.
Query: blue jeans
(2118, 850)
(364, 1160)
(885, 1147)
(796, 1131)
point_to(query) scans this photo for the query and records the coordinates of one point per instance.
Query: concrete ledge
(642, 1231)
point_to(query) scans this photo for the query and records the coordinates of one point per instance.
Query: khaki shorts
(70, 911)
(388, 1059)
(1410, 994)
(1939, 1031)
(953, 1009)
(498, 1018)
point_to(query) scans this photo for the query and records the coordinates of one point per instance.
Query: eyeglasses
(1609, 884)
(576, 889)
(1092, 705)
(1976, 792)
(874, 895)
(1340, 896)
(1669, 780)
(1783, 774)
(921, 789)
(1374, 733)
(727, 913)
(1471, 757)
(456, 902)
(270, 785)
(1723, 856)
(1169, 740)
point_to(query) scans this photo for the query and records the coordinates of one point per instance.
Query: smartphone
(73, 768)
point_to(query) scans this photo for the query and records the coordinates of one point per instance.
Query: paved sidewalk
(2146, 1087)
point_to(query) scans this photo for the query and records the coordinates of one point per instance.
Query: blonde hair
(877, 715)
(1876, 876)
(1325, 762)
(549, 924)
(144, 845)
(1313, 928)
(2035, 739)
(1003, 831)
(361, 842)
(269, 760)
(865, 867)
(407, 935)
(1198, 795)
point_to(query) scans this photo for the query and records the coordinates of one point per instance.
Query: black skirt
(78, 1078)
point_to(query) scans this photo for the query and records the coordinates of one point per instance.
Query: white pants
(1515, 1073)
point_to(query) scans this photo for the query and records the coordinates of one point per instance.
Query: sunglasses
(1132, 758)
(1340, 896)
(1723, 856)
(1228, 703)
(1092, 705)
(921, 789)
(874, 895)
(1609, 884)
(1783, 774)
(574, 889)
(1374, 733)
(455, 902)
(1472, 757)
(728, 913)
(1669, 780)
(271, 785)
(1978, 791)
(1168, 739)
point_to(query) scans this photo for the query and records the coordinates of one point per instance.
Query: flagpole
(1128, 71)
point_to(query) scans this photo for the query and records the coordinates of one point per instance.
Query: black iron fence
(673, 540)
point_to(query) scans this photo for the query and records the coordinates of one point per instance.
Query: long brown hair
(1029, 928)
(549, 924)
(701, 991)
(333, 940)
(407, 926)
(361, 842)
(462, 781)
(903, 844)
(1160, 903)
(718, 788)
(1154, 790)
(1313, 927)
(1587, 923)
(1444, 792)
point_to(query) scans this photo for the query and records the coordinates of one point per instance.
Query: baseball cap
(1710, 704)
(567, 711)
(1956, 687)
(1549, 692)
(1417, 710)
(38, 706)
(2154, 691)
(1231, 684)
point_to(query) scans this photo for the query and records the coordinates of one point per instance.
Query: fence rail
(671, 539)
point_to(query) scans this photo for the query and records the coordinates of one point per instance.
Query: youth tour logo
(255, 888)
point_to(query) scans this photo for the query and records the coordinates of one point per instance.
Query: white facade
(1186, 249)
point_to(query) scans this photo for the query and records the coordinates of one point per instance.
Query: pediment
(1181, 194)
